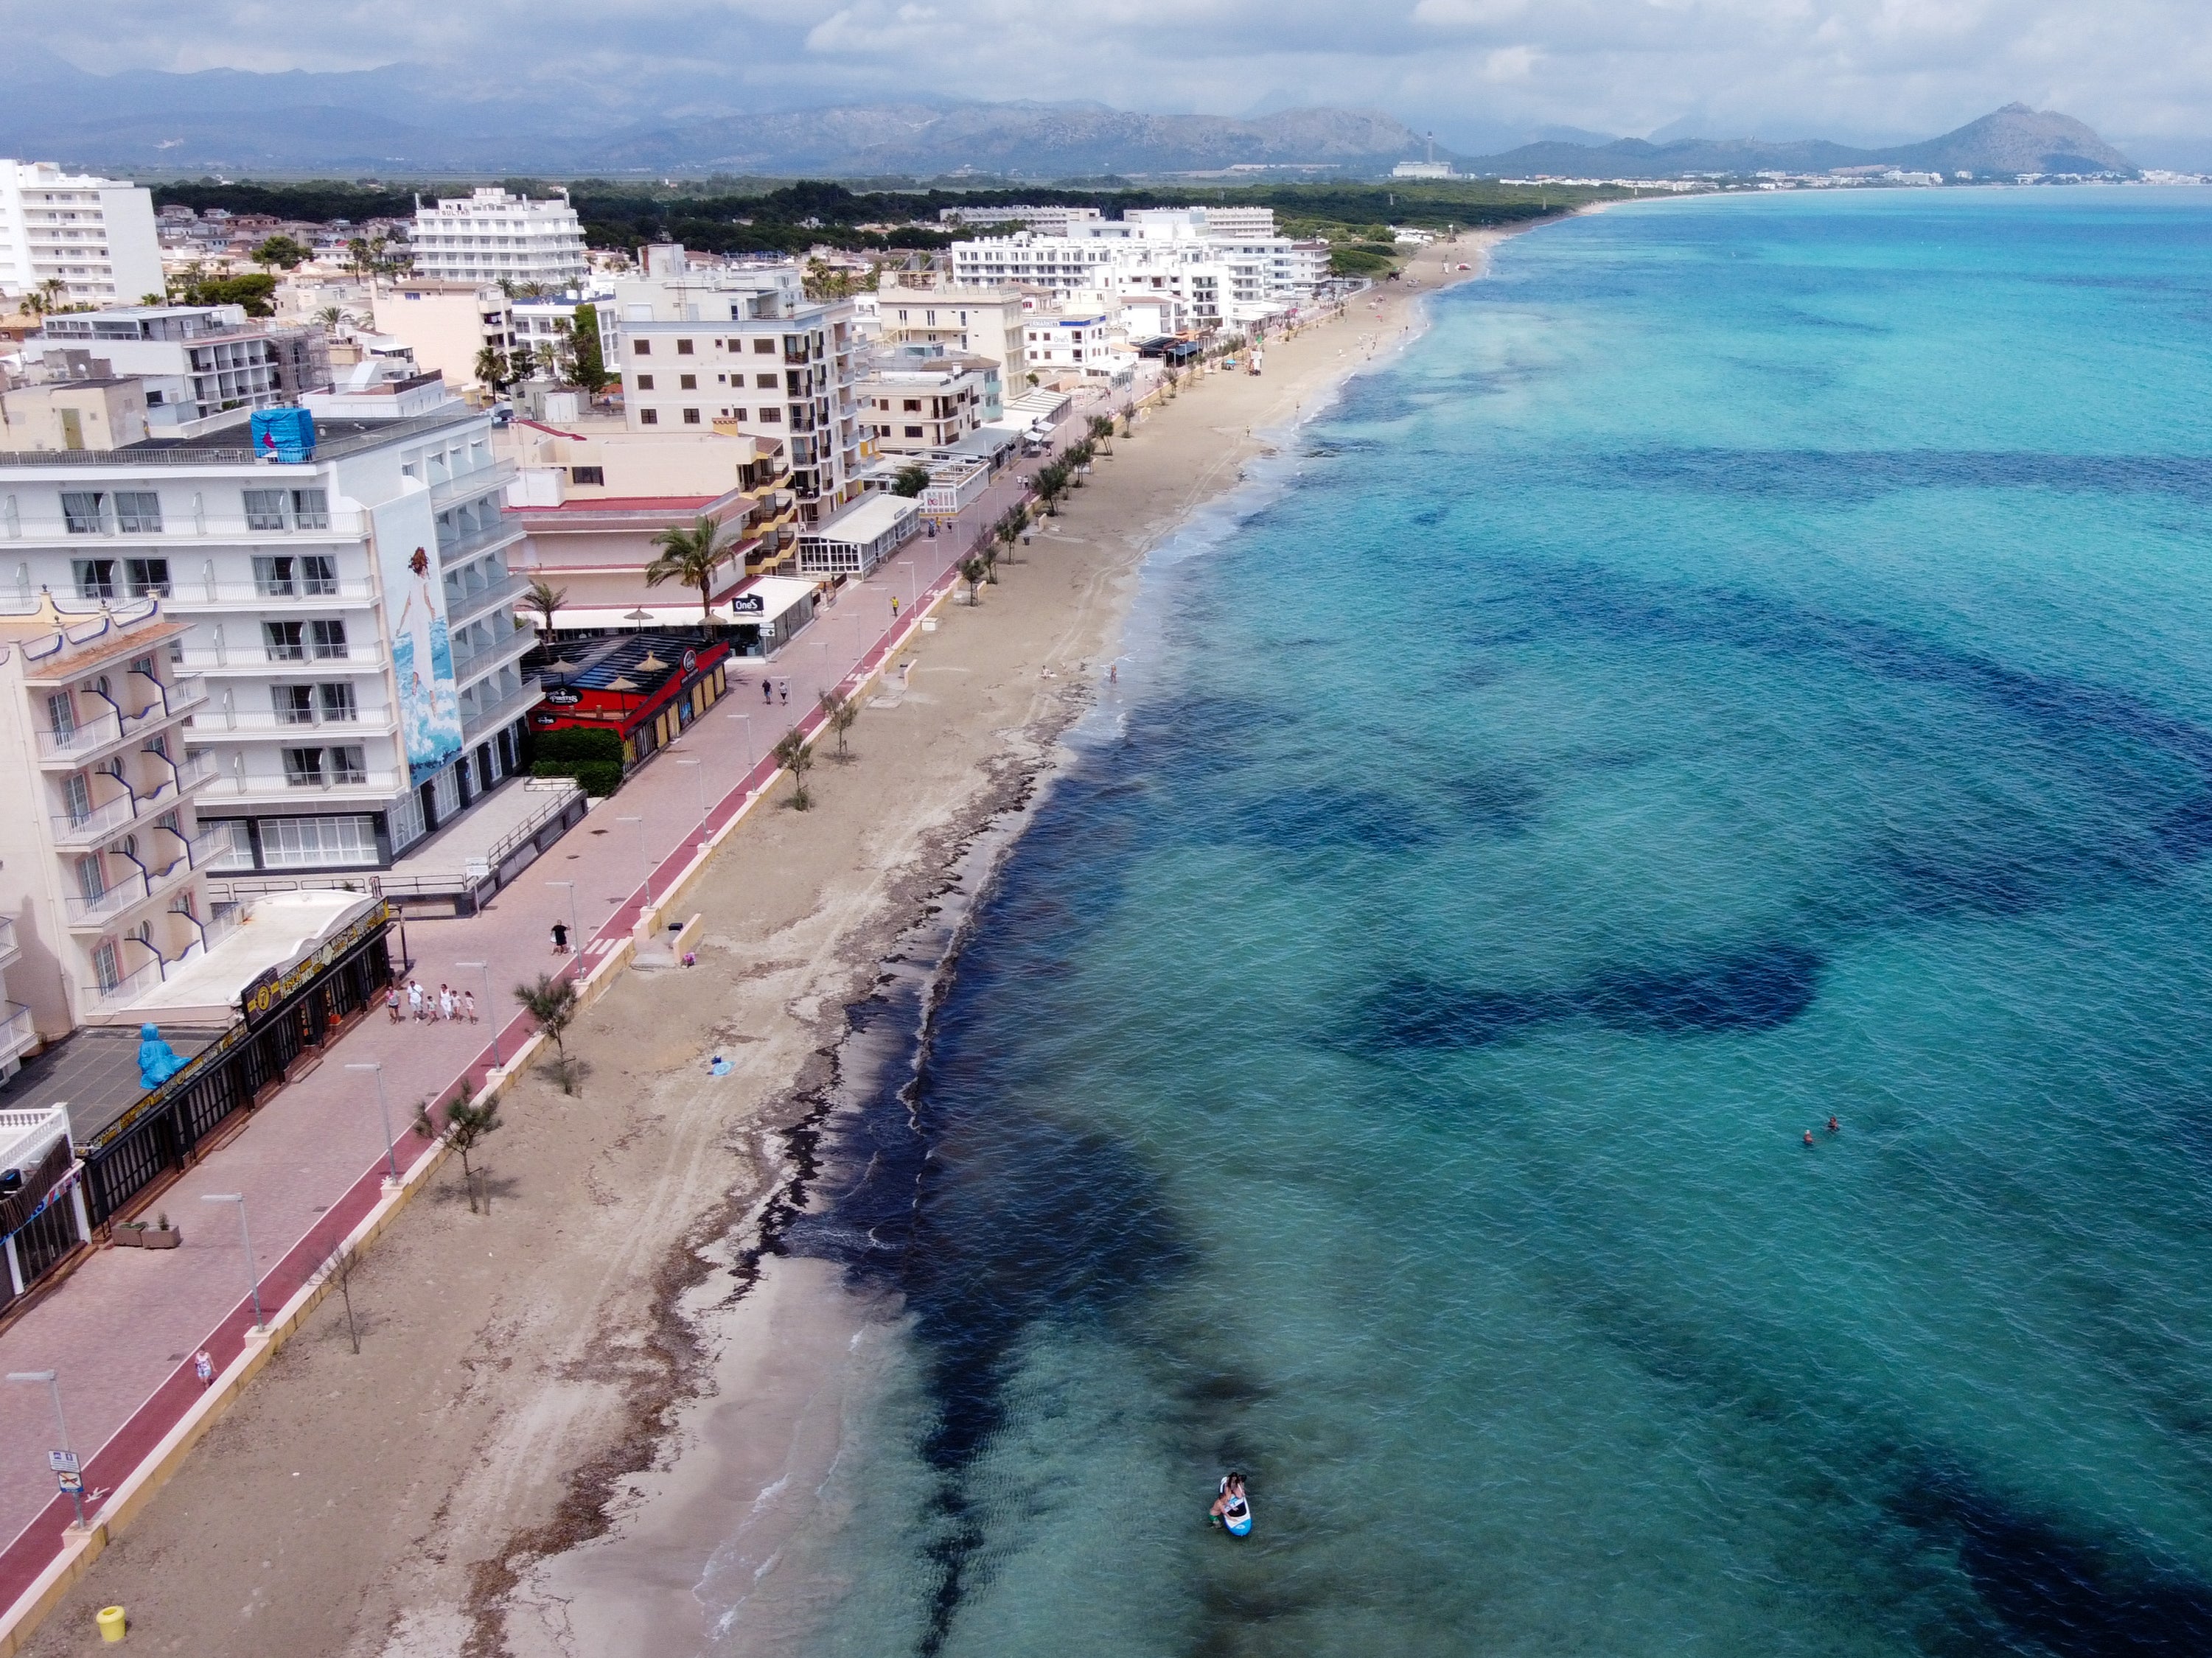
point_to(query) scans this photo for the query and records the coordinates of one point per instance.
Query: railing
(100, 823)
(479, 662)
(469, 545)
(9, 948)
(80, 740)
(275, 725)
(98, 910)
(184, 694)
(17, 1030)
(470, 606)
(258, 595)
(132, 984)
(474, 726)
(203, 849)
(373, 782)
(254, 658)
(479, 480)
(194, 770)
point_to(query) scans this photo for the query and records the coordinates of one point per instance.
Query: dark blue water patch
(1759, 987)
(1335, 816)
(1492, 800)
(1858, 476)
(2052, 1592)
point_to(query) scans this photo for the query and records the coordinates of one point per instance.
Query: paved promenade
(123, 1331)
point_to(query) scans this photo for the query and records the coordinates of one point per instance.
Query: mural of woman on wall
(429, 712)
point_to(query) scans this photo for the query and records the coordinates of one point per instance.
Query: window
(640, 348)
(765, 348)
(771, 416)
(77, 796)
(96, 577)
(106, 967)
(913, 431)
(319, 575)
(764, 382)
(61, 713)
(336, 698)
(230, 844)
(301, 842)
(91, 876)
(648, 418)
(294, 704)
(303, 769)
(912, 405)
(683, 348)
(264, 509)
(348, 764)
(85, 511)
(286, 640)
(327, 639)
(645, 382)
(146, 577)
(690, 416)
(138, 512)
(687, 382)
(311, 509)
(596, 475)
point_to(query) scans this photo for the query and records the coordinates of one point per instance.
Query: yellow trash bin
(111, 1623)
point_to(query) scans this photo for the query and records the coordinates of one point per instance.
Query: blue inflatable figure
(157, 1061)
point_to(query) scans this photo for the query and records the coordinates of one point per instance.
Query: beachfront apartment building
(921, 400)
(969, 322)
(103, 864)
(94, 237)
(744, 350)
(349, 615)
(591, 496)
(491, 235)
(445, 325)
(1081, 341)
(1217, 279)
(196, 363)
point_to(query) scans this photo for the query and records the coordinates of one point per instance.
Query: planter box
(155, 1238)
(126, 1236)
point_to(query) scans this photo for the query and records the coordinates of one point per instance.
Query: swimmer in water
(1809, 1137)
(1831, 1127)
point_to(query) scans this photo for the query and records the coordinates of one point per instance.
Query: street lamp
(52, 1384)
(912, 597)
(574, 932)
(484, 967)
(699, 777)
(246, 1238)
(748, 719)
(383, 1111)
(644, 869)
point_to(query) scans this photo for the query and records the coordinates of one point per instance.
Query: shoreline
(706, 1498)
(504, 1421)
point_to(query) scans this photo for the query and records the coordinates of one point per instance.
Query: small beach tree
(552, 1003)
(973, 572)
(795, 757)
(838, 715)
(466, 1127)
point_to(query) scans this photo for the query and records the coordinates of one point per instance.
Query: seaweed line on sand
(927, 920)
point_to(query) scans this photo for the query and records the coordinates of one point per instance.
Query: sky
(1855, 70)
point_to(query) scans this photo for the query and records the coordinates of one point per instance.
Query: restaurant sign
(268, 992)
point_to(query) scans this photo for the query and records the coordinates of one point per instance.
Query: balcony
(376, 786)
(465, 486)
(80, 744)
(467, 547)
(295, 728)
(10, 951)
(18, 1035)
(492, 717)
(466, 608)
(510, 648)
(94, 913)
(346, 593)
(106, 821)
(254, 660)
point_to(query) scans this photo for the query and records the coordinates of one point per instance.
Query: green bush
(597, 778)
(1359, 262)
(576, 743)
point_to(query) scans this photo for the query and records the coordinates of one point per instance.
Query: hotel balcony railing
(480, 481)
(105, 821)
(78, 743)
(17, 1031)
(91, 913)
(254, 658)
(265, 723)
(467, 607)
(469, 545)
(9, 950)
(370, 784)
(489, 717)
(505, 649)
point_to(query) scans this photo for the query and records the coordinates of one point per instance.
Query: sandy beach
(560, 1409)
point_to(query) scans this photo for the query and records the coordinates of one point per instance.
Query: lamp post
(484, 967)
(384, 1114)
(748, 719)
(644, 869)
(245, 1239)
(52, 1382)
(575, 930)
(912, 596)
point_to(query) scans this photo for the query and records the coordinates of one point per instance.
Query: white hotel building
(94, 236)
(490, 236)
(350, 619)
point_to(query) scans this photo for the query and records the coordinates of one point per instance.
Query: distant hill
(2003, 144)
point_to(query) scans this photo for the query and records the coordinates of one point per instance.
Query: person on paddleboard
(1231, 1508)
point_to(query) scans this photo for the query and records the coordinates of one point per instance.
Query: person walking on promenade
(414, 1001)
(203, 1368)
(445, 1002)
(392, 1000)
(560, 938)
(469, 1005)
(768, 690)
(783, 690)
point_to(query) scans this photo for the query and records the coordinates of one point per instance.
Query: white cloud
(1774, 67)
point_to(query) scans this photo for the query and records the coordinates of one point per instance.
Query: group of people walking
(411, 1001)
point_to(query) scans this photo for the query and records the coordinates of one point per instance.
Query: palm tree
(691, 556)
(546, 599)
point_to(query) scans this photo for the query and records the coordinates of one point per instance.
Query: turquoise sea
(1747, 664)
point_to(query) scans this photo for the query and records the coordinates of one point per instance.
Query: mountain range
(2002, 145)
(407, 120)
